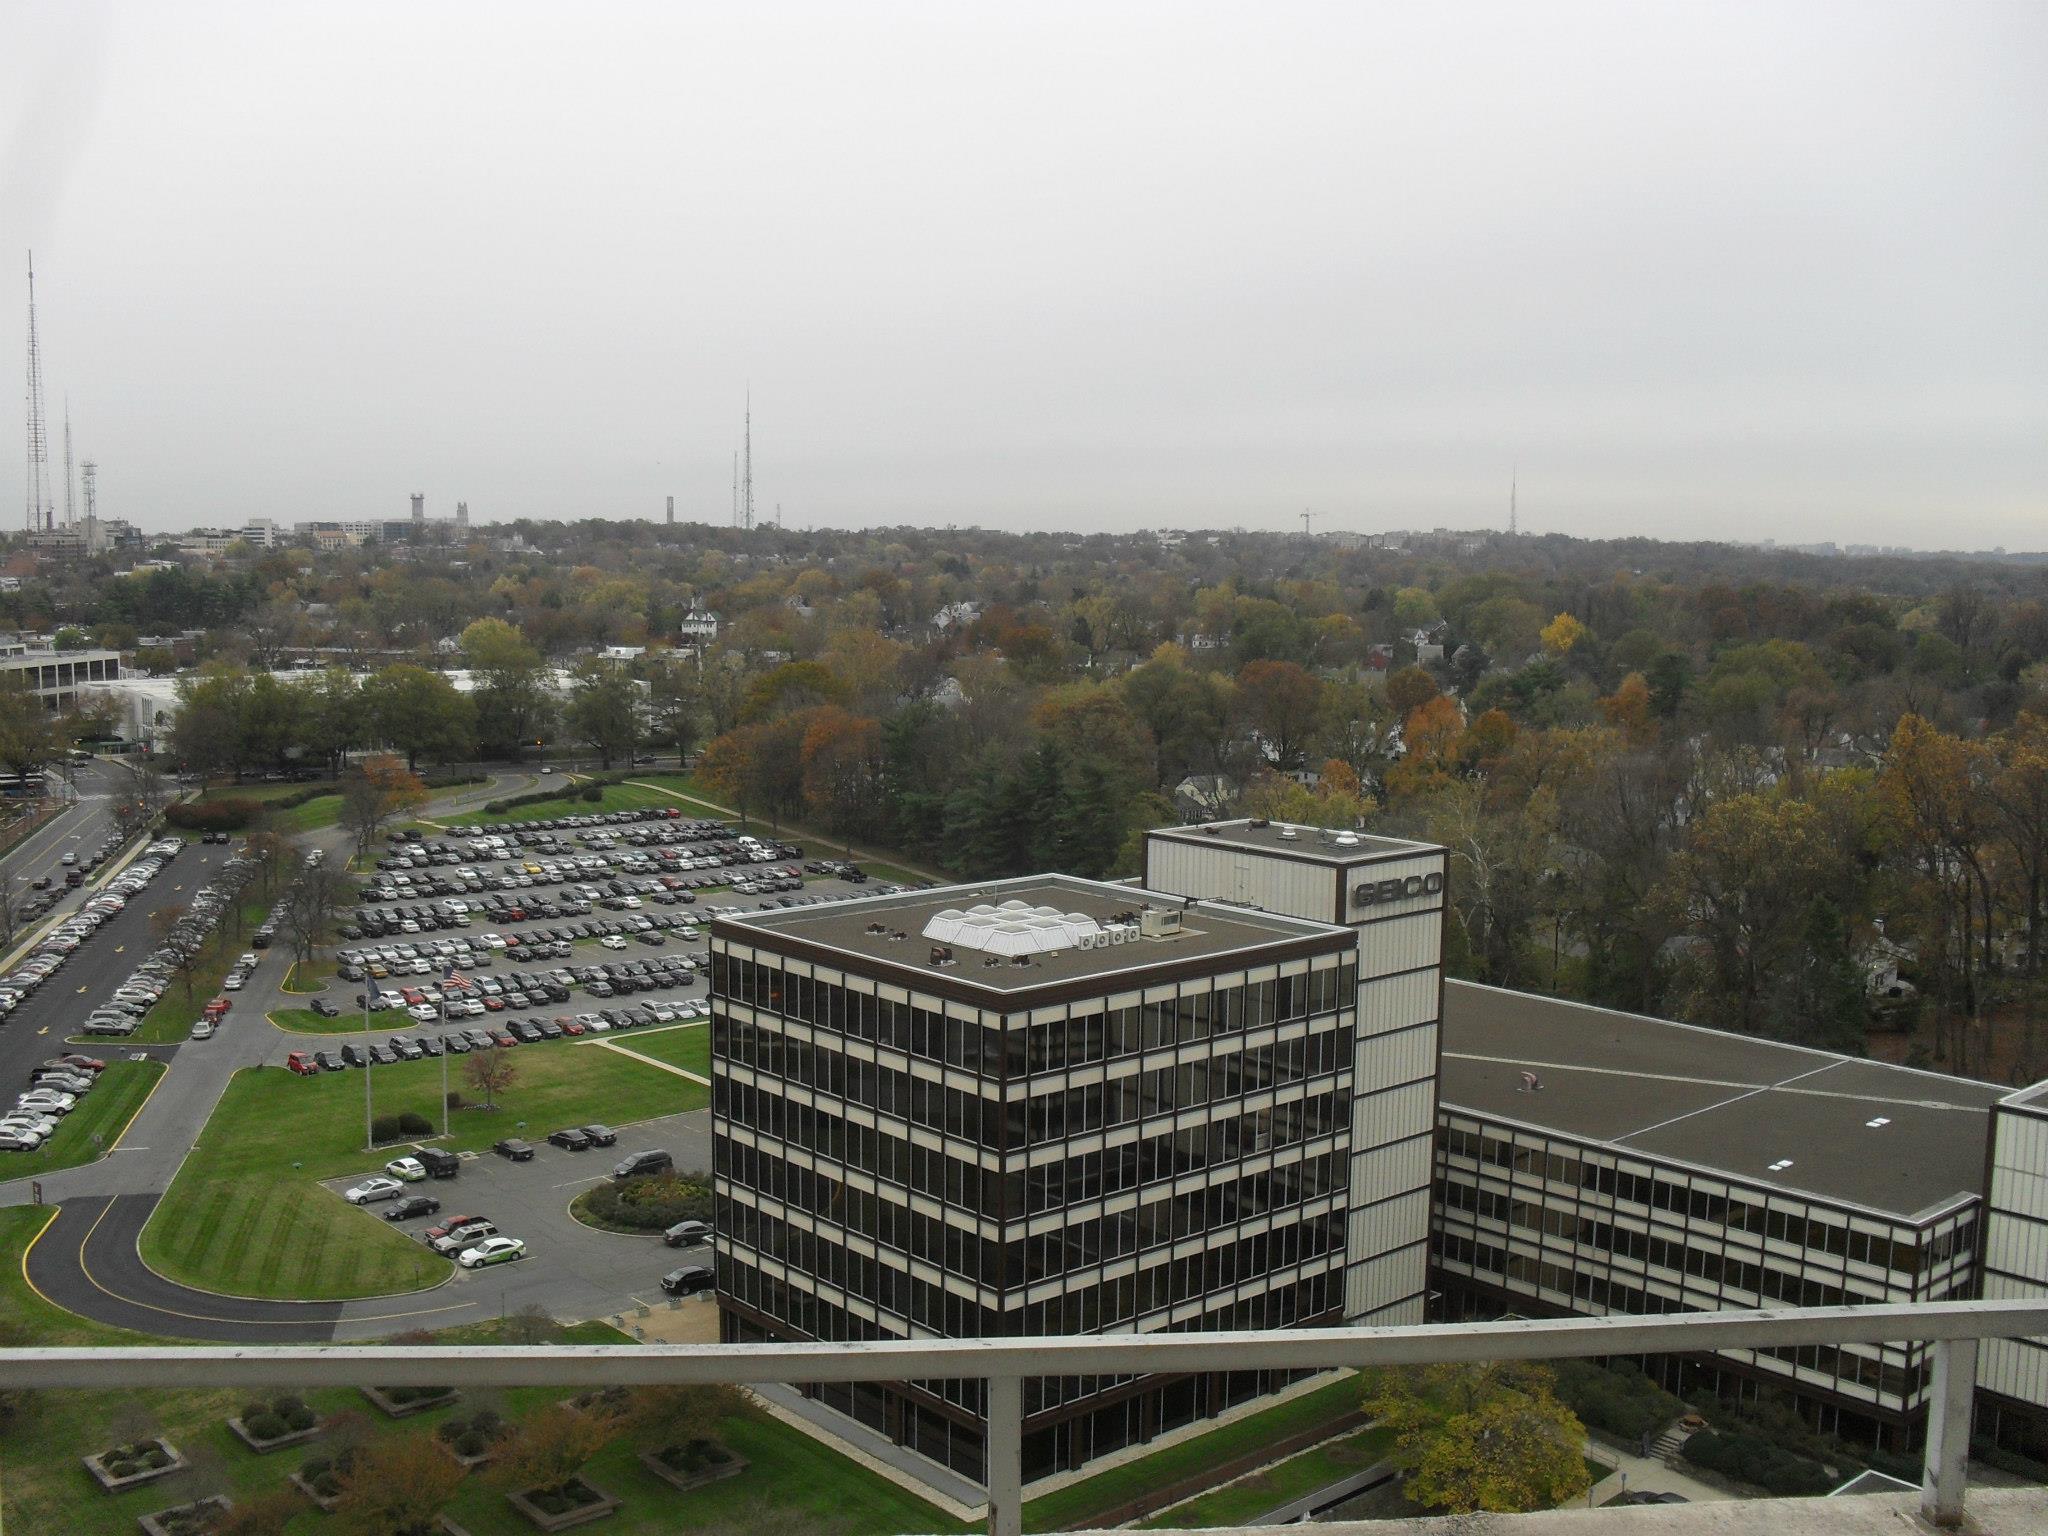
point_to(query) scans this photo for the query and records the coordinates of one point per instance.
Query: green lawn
(1070, 1508)
(686, 1045)
(309, 978)
(1245, 1500)
(616, 797)
(240, 1217)
(305, 1021)
(104, 1114)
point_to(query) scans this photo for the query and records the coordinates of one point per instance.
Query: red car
(90, 1064)
(216, 1009)
(449, 1226)
(571, 1027)
(501, 1039)
(303, 1064)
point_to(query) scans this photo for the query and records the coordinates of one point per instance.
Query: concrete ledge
(1993, 1512)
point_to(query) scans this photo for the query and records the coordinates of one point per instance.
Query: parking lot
(570, 1270)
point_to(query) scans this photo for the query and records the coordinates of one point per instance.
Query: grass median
(178, 1009)
(683, 1045)
(94, 1126)
(1242, 1502)
(246, 1215)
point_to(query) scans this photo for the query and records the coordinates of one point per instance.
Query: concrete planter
(156, 1524)
(323, 1504)
(599, 1508)
(264, 1447)
(683, 1482)
(393, 1410)
(115, 1482)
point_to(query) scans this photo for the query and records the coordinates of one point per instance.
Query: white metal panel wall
(1397, 1165)
(1394, 1115)
(2016, 1250)
(1406, 1057)
(1392, 1224)
(1397, 1002)
(1375, 882)
(1382, 1282)
(1220, 872)
(1387, 945)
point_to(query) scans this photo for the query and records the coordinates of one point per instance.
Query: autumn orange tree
(548, 1448)
(378, 789)
(397, 1486)
(842, 769)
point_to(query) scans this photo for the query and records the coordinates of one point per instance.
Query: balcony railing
(1952, 1329)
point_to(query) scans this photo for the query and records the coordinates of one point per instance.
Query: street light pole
(444, 1059)
(369, 1116)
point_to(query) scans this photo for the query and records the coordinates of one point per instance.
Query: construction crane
(1306, 518)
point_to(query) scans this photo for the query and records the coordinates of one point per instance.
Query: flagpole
(369, 1115)
(444, 1059)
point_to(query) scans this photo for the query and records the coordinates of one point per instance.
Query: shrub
(650, 1204)
(593, 793)
(472, 1443)
(1752, 1459)
(400, 1127)
(266, 1426)
(1619, 1399)
(226, 815)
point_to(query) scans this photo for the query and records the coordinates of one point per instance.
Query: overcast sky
(1742, 270)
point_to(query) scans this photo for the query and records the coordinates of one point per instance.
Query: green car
(492, 1250)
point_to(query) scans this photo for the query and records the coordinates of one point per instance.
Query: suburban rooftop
(1030, 928)
(1888, 1138)
(1322, 844)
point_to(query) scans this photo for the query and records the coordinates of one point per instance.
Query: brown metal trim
(960, 989)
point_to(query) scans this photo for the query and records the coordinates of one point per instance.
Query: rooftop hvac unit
(1288, 835)
(942, 955)
(1160, 925)
(1213, 831)
(1256, 821)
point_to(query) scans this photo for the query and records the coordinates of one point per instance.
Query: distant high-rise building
(462, 514)
(671, 511)
(419, 510)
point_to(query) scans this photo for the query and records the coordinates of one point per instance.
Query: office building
(2012, 1397)
(1390, 894)
(1045, 1105)
(1596, 1162)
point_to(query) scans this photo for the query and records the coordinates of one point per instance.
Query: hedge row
(1619, 1399)
(214, 815)
(591, 789)
(400, 1127)
(1752, 1459)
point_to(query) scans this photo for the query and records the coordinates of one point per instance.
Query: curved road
(87, 1261)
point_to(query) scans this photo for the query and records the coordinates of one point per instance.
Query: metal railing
(1951, 1329)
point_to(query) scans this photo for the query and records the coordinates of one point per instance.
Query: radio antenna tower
(747, 475)
(40, 513)
(70, 480)
(735, 487)
(1514, 484)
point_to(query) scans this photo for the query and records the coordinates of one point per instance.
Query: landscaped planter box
(192, 1519)
(396, 1408)
(324, 1502)
(608, 1403)
(261, 1444)
(473, 1441)
(120, 1468)
(680, 1478)
(590, 1504)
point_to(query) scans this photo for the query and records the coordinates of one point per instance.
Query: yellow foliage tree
(1561, 634)
(1490, 1437)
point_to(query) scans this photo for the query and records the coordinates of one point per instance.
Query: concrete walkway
(666, 1066)
(1647, 1474)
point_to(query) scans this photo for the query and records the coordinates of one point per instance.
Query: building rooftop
(863, 932)
(1891, 1139)
(1317, 844)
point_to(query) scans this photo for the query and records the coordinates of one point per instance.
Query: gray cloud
(1742, 269)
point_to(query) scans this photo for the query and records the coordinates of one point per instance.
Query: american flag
(454, 978)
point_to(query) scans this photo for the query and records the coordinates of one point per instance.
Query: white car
(202, 1029)
(55, 1101)
(612, 941)
(248, 960)
(376, 1187)
(232, 982)
(492, 1250)
(410, 1169)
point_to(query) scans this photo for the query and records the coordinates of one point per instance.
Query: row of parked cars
(54, 1089)
(62, 942)
(139, 993)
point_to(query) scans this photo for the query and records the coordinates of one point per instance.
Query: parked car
(569, 1139)
(641, 1164)
(601, 1135)
(303, 1064)
(410, 1169)
(492, 1250)
(411, 1206)
(514, 1148)
(325, 1009)
(688, 1280)
(439, 1164)
(687, 1234)
(461, 1235)
(375, 1188)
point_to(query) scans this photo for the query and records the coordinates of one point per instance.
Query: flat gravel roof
(1729, 1105)
(1308, 843)
(1209, 932)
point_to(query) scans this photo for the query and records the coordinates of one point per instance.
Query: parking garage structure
(1044, 1105)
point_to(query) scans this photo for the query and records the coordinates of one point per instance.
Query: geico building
(1599, 1162)
(1048, 1105)
(1593, 1162)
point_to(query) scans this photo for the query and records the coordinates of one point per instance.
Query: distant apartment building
(1049, 1105)
(699, 627)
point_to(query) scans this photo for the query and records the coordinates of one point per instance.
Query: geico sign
(1373, 892)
